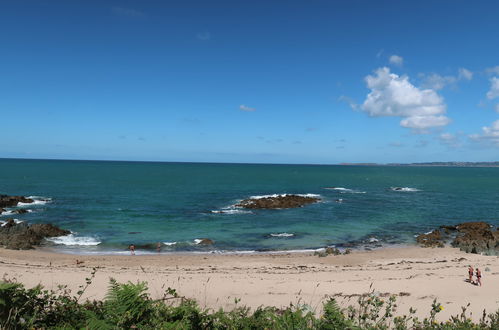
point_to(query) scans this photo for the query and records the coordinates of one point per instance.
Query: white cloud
(436, 81)
(465, 74)
(396, 60)
(246, 108)
(490, 134)
(494, 88)
(424, 122)
(393, 95)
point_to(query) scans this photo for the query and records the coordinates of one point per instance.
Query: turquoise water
(119, 203)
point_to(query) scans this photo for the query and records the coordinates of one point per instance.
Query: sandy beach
(416, 275)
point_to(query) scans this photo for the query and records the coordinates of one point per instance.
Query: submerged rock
(21, 236)
(11, 201)
(205, 241)
(277, 202)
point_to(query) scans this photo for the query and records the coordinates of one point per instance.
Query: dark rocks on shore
(277, 202)
(11, 201)
(471, 237)
(477, 237)
(21, 236)
(432, 239)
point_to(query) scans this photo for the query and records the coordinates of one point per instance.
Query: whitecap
(7, 212)
(345, 190)
(231, 210)
(197, 240)
(282, 235)
(373, 240)
(74, 240)
(37, 200)
(404, 189)
(284, 195)
(3, 223)
(169, 243)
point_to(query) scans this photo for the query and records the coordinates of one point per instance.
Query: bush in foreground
(128, 306)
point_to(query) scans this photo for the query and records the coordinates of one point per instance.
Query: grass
(128, 306)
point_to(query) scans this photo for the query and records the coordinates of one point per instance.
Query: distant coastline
(439, 164)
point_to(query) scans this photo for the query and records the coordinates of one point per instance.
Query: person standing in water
(132, 249)
(158, 247)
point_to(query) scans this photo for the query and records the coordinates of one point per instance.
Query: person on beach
(478, 277)
(132, 249)
(470, 273)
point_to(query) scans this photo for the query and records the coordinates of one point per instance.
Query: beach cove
(416, 276)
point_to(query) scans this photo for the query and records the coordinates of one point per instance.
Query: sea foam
(282, 235)
(342, 190)
(74, 240)
(37, 200)
(404, 189)
(284, 195)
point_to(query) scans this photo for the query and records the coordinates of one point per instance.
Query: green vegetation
(128, 306)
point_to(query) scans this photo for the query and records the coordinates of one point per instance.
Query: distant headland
(449, 164)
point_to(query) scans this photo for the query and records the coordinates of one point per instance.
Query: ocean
(110, 205)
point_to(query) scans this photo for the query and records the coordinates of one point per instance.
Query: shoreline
(415, 275)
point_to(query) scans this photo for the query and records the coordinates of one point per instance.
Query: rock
(11, 201)
(48, 230)
(277, 202)
(20, 211)
(477, 237)
(21, 236)
(206, 241)
(432, 239)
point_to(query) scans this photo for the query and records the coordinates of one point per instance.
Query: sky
(313, 82)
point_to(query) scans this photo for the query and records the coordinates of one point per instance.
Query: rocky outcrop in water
(205, 241)
(21, 236)
(11, 201)
(431, 239)
(277, 202)
(471, 237)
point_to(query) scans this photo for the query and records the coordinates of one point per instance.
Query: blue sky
(250, 81)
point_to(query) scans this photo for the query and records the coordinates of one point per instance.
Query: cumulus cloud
(494, 88)
(490, 134)
(393, 95)
(464, 74)
(396, 60)
(246, 108)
